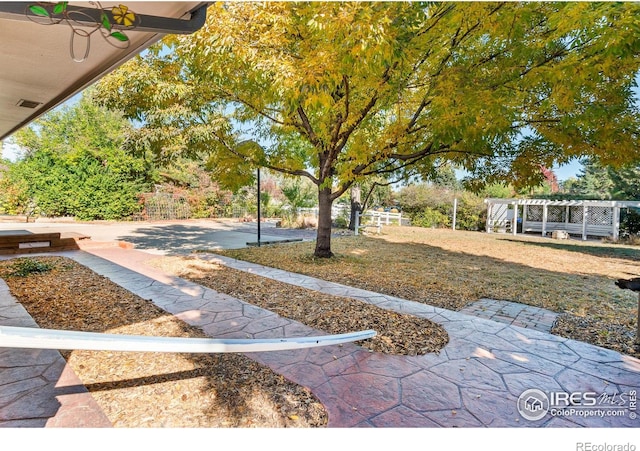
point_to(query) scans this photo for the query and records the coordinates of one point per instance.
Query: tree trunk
(356, 207)
(323, 240)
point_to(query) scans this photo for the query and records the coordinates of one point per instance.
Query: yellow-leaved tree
(340, 91)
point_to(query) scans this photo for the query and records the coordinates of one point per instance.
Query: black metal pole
(258, 207)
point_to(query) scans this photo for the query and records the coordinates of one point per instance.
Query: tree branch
(368, 196)
(344, 136)
(235, 98)
(437, 17)
(299, 172)
(308, 130)
(345, 186)
(340, 118)
(391, 168)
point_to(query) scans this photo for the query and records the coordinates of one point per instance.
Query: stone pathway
(513, 313)
(475, 381)
(37, 388)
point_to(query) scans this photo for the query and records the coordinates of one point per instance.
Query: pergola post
(514, 224)
(544, 219)
(585, 211)
(615, 224)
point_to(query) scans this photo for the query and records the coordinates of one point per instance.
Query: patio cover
(37, 72)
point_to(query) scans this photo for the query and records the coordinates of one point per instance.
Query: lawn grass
(452, 269)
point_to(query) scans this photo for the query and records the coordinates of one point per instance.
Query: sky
(10, 151)
(567, 171)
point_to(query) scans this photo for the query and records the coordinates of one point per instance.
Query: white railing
(366, 219)
(336, 210)
(376, 219)
(382, 217)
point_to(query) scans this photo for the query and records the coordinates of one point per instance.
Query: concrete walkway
(513, 313)
(475, 381)
(168, 237)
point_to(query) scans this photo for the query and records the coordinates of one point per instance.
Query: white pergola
(585, 218)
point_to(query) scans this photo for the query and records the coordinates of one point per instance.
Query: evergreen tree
(626, 182)
(593, 182)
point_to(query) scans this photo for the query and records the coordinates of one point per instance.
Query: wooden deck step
(22, 242)
(13, 242)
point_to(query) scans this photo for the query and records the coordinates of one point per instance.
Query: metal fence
(164, 206)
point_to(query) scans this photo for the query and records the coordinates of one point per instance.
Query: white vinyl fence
(377, 219)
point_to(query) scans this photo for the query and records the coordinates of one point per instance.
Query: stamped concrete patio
(475, 381)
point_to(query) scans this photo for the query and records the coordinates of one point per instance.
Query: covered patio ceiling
(37, 72)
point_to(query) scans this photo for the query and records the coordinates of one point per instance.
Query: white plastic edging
(36, 338)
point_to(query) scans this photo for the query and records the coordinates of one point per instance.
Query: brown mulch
(154, 389)
(619, 337)
(180, 390)
(397, 333)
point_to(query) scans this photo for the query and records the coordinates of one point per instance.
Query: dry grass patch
(452, 269)
(154, 389)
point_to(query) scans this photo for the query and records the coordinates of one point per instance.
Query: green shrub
(430, 217)
(470, 213)
(24, 267)
(341, 222)
(432, 206)
(630, 224)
